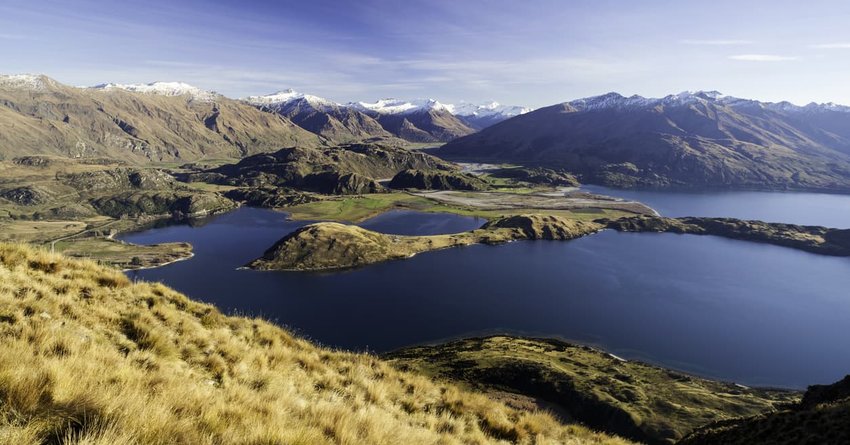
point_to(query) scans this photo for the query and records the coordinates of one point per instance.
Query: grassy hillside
(341, 170)
(76, 206)
(629, 398)
(821, 418)
(87, 357)
(328, 245)
(56, 119)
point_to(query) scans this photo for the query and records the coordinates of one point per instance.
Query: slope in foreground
(88, 357)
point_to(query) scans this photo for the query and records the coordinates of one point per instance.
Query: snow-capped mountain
(487, 109)
(335, 122)
(419, 120)
(46, 117)
(163, 89)
(617, 101)
(810, 108)
(399, 106)
(33, 82)
(479, 116)
(691, 139)
(454, 120)
(289, 96)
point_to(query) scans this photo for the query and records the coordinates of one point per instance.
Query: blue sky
(518, 52)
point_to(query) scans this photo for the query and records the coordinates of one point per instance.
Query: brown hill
(689, 140)
(47, 117)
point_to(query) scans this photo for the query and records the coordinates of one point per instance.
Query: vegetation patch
(87, 357)
(820, 418)
(328, 245)
(125, 255)
(632, 399)
(815, 239)
(437, 180)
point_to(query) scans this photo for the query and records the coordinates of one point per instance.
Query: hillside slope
(333, 121)
(821, 418)
(687, 140)
(629, 398)
(422, 120)
(344, 169)
(42, 116)
(87, 357)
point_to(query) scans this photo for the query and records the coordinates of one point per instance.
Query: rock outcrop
(437, 180)
(537, 175)
(344, 169)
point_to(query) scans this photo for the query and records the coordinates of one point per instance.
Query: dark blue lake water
(812, 209)
(751, 313)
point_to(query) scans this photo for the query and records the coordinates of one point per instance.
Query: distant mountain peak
(615, 100)
(487, 109)
(33, 82)
(163, 89)
(287, 96)
(400, 106)
(618, 101)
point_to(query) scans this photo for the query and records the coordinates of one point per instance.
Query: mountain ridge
(40, 116)
(688, 140)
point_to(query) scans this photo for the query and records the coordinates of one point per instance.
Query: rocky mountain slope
(344, 169)
(421, 120)
(480, 116)
(424, 120)
(437, 180)
(60, 189)
(159, 122)
(686, 140)
(335, 122)
(88, 357)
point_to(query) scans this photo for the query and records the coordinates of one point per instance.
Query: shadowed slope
(692, 140)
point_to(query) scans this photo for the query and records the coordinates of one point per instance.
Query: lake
(813, 209)
(751, 313)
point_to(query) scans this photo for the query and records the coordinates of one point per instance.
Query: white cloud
(845, 45)
(762, 58)
(716, 42)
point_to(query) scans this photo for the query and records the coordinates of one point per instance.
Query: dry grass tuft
(86, 357)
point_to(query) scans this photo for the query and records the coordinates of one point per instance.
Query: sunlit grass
(359, 208)
(87, 357)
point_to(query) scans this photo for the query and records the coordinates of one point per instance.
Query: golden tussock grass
(87, 357)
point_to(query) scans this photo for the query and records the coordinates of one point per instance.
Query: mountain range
(168, 121)
(165, 122)
(419, 120)
(692, 139)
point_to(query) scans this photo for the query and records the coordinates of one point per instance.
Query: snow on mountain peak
(618, 101)
(828, 106)
(487, 109)
(287, 96)
(398, 106)
(163, 89)
(33, 82)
